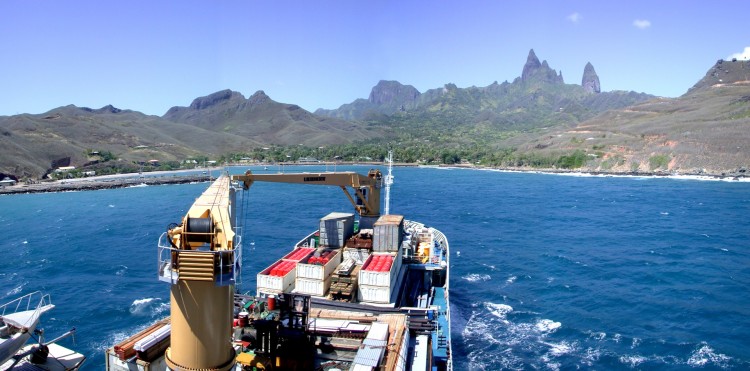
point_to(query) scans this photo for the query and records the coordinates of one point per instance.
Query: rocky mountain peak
(393, 92)
(590, 81)
(535, 71)
(259, 97)
(531, 66)
(215, 98)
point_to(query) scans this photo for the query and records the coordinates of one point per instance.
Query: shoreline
(178, 177)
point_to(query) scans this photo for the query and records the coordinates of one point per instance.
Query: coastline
(185, 176)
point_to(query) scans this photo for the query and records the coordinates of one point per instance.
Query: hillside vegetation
(536, 121)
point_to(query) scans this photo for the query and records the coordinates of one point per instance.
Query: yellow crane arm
(366, 188)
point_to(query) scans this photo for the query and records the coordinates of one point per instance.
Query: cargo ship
(362, 291)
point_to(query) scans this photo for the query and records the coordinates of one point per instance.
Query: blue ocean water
(547, 271)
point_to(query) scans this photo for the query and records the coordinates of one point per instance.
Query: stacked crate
(279, 277)
(359, 246)
(314, 273)
(344, 280)
(378, 278)
(379, 274)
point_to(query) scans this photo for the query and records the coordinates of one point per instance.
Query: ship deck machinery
(213, 328)
(416, 315)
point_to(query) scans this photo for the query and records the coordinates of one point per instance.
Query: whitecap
(664, 213)
(16, 290)
(121, 270)
(547, 325)
(598, 335)
(706, 355)
(632, 360)
(592, 355)
(147, 307)
(498, 310)
(474, 277)
(110, 205)
(511, 279)
(560, 349)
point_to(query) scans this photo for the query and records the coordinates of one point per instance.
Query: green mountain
(223, 122)
(260, 119)
(706, 129)
(535, 121)
(538, 98)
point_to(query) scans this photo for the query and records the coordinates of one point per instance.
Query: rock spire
(590, 81)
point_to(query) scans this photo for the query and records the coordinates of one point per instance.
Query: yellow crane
(200, 261)
(366, 187)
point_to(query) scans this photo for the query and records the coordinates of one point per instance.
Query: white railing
(30, 301)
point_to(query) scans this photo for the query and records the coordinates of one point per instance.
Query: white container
(383, 279)
(358, 255)
(268, 283)
(312, 286)
(374, 294)
(388, 233)
(318, 272)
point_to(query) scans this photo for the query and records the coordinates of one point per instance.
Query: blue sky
(152, 55)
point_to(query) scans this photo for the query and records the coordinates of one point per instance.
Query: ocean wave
(496, 342)
(705, 355)
(474, 277)
(499, 310)
(121, 269)
(632, 360)
(560, 349)
(511, 279)
(547, 325)
(148, 307)
(16, 290)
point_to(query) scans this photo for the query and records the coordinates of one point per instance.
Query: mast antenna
(388, 183)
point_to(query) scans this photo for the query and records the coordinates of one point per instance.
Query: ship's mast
(388, 183)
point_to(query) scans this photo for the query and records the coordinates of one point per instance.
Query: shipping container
(322, 267)
(278, 277)
(374, 294)
(336, 228)
(380, 269)
(358, 255)
(388, 233)
(312, 286)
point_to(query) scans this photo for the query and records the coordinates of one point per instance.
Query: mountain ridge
(501, 124)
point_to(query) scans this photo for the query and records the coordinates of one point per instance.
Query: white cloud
(743, 56)
(575, 17)
(642, 23)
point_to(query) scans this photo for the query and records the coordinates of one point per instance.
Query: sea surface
(547, 272)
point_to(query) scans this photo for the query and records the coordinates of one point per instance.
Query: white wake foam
(475, 277)
(148, 307)
(705, 355)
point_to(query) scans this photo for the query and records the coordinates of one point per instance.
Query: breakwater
(102, 183)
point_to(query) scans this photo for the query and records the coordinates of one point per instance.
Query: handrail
(166, 252)
(44, 299)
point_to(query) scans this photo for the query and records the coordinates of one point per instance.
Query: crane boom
(366, 187)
